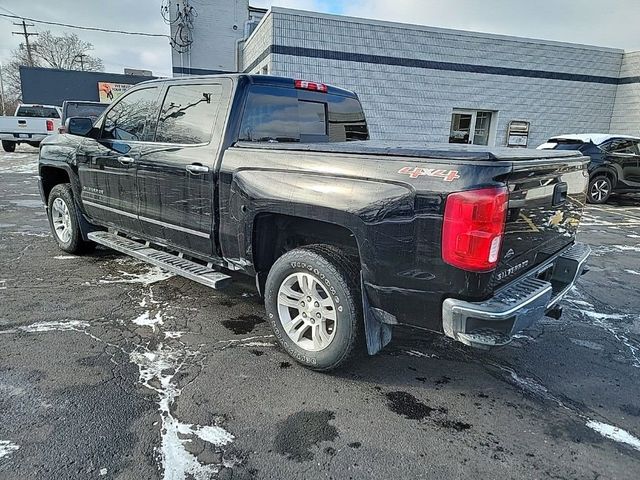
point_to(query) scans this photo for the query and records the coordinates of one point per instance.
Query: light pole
(2, 91)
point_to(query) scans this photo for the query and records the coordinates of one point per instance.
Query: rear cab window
(281, 114)
(91, 110)
(37, 111)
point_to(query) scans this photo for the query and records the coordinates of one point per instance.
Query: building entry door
(470, 127)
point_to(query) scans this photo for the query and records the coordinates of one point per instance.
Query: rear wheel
(8, 146)
(314, 306)
(600, 189)
(63, 220)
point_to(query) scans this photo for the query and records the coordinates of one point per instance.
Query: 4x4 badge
(415, 172)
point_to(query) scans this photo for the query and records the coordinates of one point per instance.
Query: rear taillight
(473, 228)
(315, 87)
(49, 125)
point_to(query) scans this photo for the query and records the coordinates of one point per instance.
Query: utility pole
(2, 92)
(81, 57)
(26, 35)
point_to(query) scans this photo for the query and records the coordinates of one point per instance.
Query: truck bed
(438, 151)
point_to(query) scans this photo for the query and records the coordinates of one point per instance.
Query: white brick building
(436, 85)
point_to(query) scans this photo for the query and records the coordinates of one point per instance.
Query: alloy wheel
(307, 312)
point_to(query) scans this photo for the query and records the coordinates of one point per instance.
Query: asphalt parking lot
(113, 369)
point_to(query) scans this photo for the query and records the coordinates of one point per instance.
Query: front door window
(471, 127)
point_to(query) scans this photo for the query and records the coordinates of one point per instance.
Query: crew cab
(346, 237)
(30, 124)
(614, 166)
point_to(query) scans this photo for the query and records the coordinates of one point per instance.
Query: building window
(474, 127)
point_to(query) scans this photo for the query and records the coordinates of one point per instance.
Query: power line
(80, 27)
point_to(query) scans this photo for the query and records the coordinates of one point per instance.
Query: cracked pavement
(111, 369)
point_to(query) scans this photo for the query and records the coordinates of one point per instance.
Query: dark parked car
(277, 179)
(80, 108)
(615, 162)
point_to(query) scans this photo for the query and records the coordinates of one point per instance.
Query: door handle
(126, 160)
(197, 169)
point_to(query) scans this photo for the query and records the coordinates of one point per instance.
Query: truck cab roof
(270, 80)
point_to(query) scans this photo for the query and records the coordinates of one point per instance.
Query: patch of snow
(7, 448)
(586, 344)
(153, 275)
(54, 326)
(614, 433)
(157, 369)
(66, 257)
(103, 472)
(258, 344)
(173, 334)
(30, 168)
(146, 320)
(416, 353)
(605, 249)
(632, 272)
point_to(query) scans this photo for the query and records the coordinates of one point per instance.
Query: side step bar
(166, 261)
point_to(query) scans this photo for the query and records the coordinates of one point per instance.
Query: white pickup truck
(30, 124)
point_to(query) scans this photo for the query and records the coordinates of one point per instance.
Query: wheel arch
(50, 176)
(611, 174)
(275, 233)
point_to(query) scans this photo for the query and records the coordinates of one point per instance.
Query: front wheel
(8, 146)
(600, 189)
(314, 306)
(63, 220)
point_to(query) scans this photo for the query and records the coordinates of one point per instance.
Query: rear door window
(188, 114)
(276, 114)
(622, 146)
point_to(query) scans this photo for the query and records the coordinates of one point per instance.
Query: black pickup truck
(346, 237)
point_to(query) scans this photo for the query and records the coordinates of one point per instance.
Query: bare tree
(66, 52)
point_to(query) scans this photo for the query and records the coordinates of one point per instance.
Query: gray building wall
(626, 112)
(410, 78)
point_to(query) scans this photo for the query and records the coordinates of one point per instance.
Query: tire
(8, 146)
(63, 220)
(336, 285)
(600, 189)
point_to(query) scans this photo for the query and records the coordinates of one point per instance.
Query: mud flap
(377, 330)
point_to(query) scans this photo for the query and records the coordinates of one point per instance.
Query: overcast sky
(612, 23)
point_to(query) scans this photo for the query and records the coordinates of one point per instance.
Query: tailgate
(24, 125)
(546, 200)
(31, 125)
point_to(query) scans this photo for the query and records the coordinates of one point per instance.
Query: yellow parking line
(529, 222)
(616, 212)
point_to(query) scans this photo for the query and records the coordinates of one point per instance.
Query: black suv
(615, 162)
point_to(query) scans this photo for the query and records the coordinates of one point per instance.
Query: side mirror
(80, 126)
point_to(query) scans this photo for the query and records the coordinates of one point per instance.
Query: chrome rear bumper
(517, 305)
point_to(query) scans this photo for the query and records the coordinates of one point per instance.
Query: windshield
(37, 111)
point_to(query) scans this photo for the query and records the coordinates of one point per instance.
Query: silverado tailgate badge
(415, 172)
